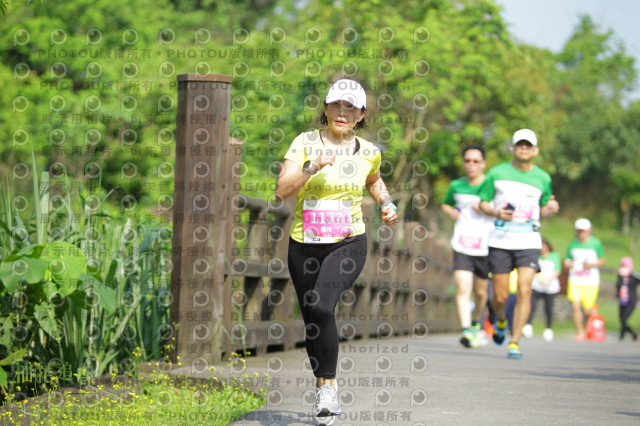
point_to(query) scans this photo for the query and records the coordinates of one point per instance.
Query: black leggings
(548, 306)
(625, 313)
(320, 274)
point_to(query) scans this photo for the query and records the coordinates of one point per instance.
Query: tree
(596, 75)
(439, 75)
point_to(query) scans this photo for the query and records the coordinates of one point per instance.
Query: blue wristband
(393, 206)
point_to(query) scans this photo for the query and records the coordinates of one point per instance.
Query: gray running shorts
(479, 265)
(503, 261)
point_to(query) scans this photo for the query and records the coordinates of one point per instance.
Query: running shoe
(499, 331)
(475, 333)
(323, 421)
(467, 338)
(483, 338)
(326, 403)
(547, 334)
(527, 331)
(514, 351)
(320, 421)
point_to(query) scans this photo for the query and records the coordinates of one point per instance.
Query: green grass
(154, 402)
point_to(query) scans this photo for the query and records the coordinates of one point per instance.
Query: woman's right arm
(292, 178)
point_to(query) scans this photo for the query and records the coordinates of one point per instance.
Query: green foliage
(89, 295)
(59, 263)
(16, 356)
(596, 73)
(4, 5)
(439, 75)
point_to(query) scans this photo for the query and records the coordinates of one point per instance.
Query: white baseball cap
(525, 135)
(583, 223)
(347, 90)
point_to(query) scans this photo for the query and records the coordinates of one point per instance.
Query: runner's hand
(389, 215)
(505, 214)
(553, 206)
(327, 157)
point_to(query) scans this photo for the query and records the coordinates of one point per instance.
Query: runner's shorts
(503, 261)
(479, 265)
(586, 294)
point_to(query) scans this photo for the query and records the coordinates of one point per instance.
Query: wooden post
(232, 282)
(200, 217)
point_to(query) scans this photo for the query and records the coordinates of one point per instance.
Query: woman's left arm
(378, 190)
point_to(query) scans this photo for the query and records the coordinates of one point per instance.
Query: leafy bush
(81, 291)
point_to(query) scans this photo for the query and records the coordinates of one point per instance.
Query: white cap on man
(583, 224)
(347, 90)
(525, 135)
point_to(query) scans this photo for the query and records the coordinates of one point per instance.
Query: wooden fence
(403, 289)
(230, 283)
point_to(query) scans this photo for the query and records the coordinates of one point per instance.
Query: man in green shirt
(517, 193)
(469, 243)
(584, 256)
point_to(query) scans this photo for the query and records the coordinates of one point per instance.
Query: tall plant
(80, 292)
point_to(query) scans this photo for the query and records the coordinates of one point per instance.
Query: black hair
(475, 146)
(362, 124)
(545, 241)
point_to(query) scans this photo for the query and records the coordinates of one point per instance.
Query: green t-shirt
(344, 180)
(589, 251)
(527, 192)
(470, 235)
(549, 264)
(554, 259)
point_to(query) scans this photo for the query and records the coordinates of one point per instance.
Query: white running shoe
(483, 340)
(527, 331)
(547, 334)
(326, 403)
(323, 421)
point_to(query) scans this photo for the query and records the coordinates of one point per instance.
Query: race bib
(580, 271)
(470, 242)
(326, 221)
(522, 213)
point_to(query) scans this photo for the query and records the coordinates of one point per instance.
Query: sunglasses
(523, 144)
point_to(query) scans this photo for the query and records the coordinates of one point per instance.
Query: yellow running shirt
(344, 180)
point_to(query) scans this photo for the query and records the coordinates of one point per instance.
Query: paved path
(402, 381)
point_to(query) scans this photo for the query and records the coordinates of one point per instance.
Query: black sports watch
(307, 168)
